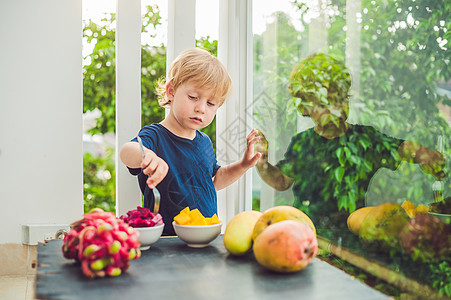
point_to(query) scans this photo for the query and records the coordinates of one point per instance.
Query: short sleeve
(215, 169)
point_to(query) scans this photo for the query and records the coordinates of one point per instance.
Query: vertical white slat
(181, 27)
(234, 119)
(128, 97)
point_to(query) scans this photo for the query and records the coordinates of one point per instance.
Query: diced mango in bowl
(412, 210)
(194, 217)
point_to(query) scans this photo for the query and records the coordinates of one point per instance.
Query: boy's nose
(200, 107)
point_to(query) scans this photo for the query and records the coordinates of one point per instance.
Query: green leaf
(368, 165)
(338, 173)
(323, 92)
(339, 152)
(347, 152)
(341, 158)
(353, 148)
(364, 143)
(355, 159)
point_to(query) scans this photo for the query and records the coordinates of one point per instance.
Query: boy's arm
(227, 175)
(130, 155)
(153, 166)
(273, 176)
(431, 161)
(270, 174)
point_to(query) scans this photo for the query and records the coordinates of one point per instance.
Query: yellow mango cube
(215, 219)
(182, 219)
(409, 207)
(421, 209)
(185, 210)
(195, 214)
(199, 221)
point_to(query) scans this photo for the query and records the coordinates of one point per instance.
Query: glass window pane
(353, 99)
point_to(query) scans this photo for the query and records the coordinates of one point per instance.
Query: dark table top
(172, 270)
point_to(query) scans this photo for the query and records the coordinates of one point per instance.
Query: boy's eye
(211, 103)
(192, 97)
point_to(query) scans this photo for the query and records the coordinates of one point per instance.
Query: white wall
(40, 114)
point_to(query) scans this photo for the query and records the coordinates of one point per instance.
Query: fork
(156, 193)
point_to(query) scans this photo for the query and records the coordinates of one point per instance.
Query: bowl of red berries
(148, 225)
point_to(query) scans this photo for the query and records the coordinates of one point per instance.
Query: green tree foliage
(99, 74)
(99, 175)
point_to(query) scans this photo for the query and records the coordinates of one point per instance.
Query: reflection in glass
(330, 165)
(377, 143)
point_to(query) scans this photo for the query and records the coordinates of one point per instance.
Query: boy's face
(193, 107)
(322, 114)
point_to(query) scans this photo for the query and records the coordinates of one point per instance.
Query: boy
(178, 157)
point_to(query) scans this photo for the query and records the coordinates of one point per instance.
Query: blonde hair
(199, 67)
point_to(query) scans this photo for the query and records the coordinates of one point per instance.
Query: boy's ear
(170, 91)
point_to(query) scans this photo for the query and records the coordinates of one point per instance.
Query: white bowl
(445, 217)
(149, 235)
(197, 236)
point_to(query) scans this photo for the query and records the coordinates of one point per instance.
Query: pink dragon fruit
(142, 217)
(102, 243)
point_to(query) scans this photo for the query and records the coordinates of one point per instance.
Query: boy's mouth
(196, 120)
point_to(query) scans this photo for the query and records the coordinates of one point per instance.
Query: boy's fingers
(255, 159)
(252, 133)
(155, 178)
(253, 140)
(156, 170)
(145, 161)
(151, 167)
(162, 170)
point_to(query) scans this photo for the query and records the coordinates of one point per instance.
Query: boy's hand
(261, 146)
(250, 159)
(432, 162)
(155, 167)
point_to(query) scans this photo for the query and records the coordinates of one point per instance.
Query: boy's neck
(331, 132)
(174, 127)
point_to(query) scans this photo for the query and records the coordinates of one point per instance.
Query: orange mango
(182, 219)
(194, 217)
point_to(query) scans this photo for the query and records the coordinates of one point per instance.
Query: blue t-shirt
(192, 165)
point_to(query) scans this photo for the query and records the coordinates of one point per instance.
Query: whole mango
(286, 246)
(280, 213)
(238, 233)
(382, 226)
(356, 218)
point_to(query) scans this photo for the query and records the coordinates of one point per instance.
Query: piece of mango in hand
(194, 217)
